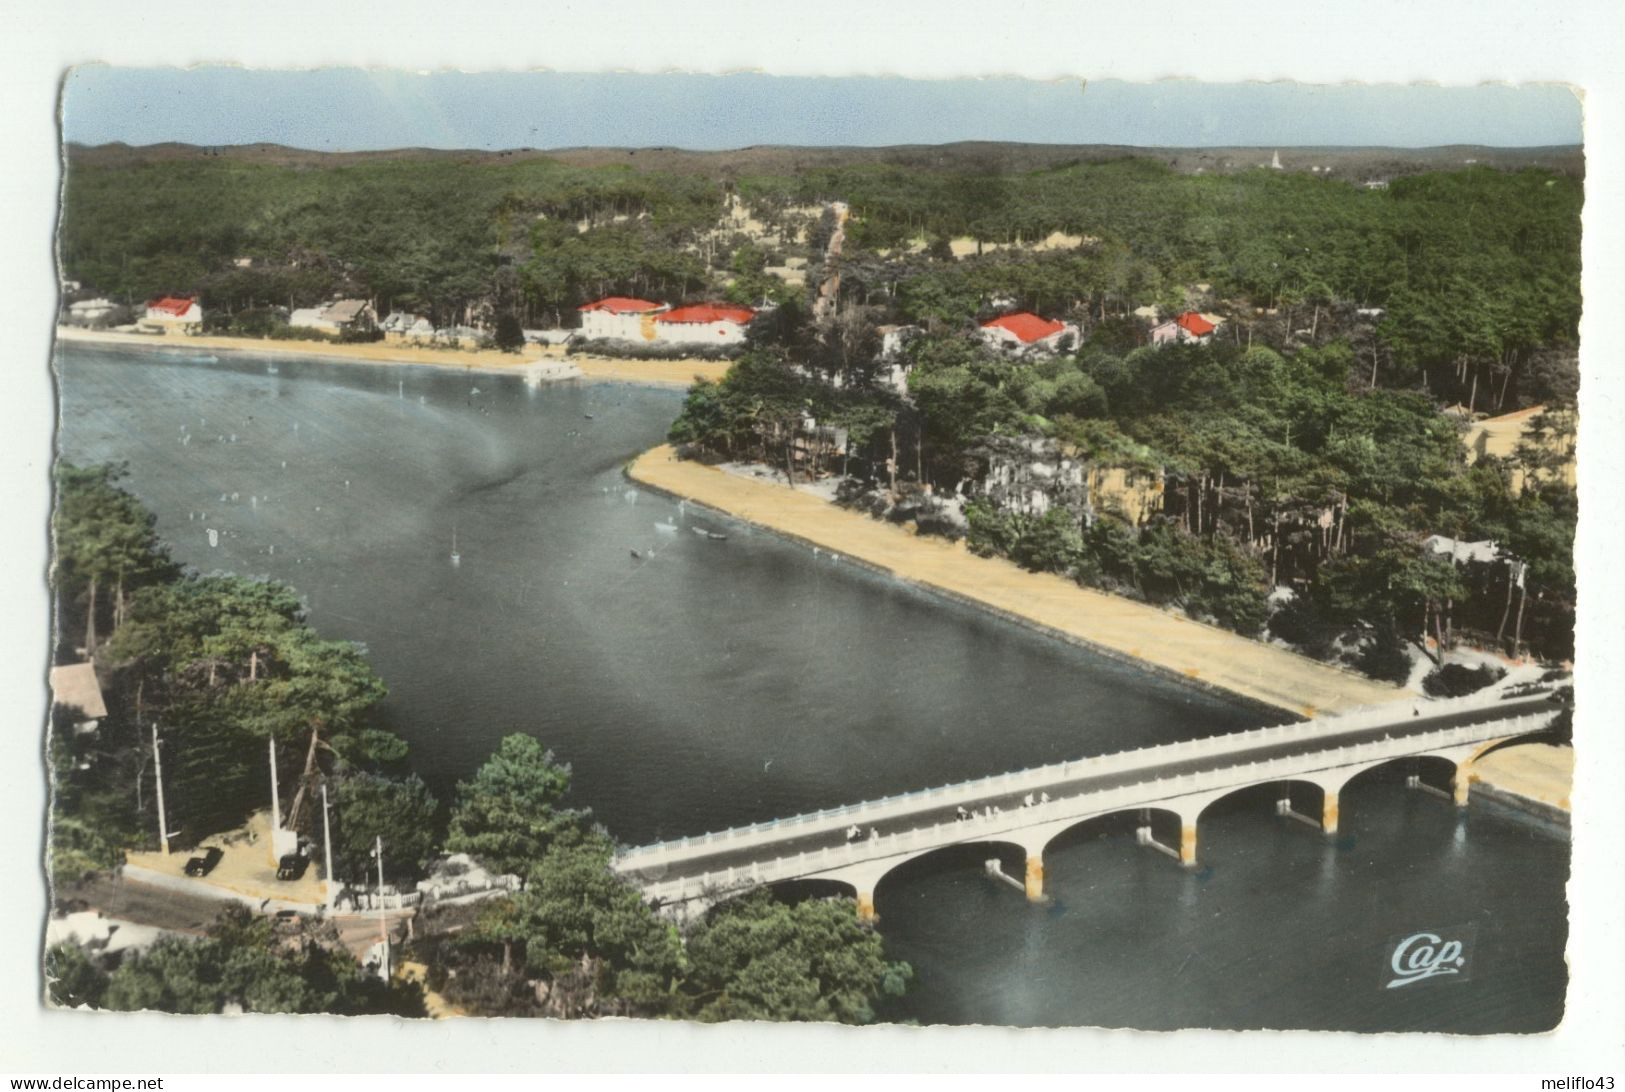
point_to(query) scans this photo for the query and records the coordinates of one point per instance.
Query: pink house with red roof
(705, 324)
(1023, 329)
(173, 312)
(1189, 326)
(622, 318)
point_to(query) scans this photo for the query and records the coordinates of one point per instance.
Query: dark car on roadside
(291, 867)
(204, 862)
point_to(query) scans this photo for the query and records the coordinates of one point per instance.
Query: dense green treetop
(588, 932)
(509, 812)
(762, 959)
(400, 811)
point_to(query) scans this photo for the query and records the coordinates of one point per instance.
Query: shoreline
(678, 374)
(1167, 644)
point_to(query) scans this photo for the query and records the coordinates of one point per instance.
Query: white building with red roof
(1190, 326)
(621, 317)
(173, 313)
(1024, 330)
(705, 324)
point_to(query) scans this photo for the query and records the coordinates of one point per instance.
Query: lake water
(708, 683)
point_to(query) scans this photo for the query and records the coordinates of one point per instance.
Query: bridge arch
(1161, 818)
(1306, 789)
(865, 877)
(1438, 774)
(1311, 798)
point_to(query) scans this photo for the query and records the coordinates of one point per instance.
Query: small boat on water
(666, 528)
(456, 558)
(637, 555)
(714, 536)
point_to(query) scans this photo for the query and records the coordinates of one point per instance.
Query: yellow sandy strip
(654, 373)
(1201, 653)
(671, 373)
(1534, 771)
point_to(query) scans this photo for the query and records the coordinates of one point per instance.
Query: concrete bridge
(1030, 808)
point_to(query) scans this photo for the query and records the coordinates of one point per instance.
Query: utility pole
(1523, 594)
(1506, 609)
(327, 847)
(158, 780)
(383, 927)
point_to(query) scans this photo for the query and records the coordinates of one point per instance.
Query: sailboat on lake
(456, 558)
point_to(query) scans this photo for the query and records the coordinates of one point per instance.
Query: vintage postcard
(735, 548)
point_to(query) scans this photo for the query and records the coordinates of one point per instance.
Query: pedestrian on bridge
(1027, 801)
(960, 814)
(853, 833)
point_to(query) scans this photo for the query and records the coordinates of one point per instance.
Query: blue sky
(344, 109)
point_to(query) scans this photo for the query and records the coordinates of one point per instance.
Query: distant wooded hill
(1357, 163)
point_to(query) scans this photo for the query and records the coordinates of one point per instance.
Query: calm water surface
(709, 683)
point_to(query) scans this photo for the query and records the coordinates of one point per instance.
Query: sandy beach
(661, 373)
(1201, 654)
(1536, 777)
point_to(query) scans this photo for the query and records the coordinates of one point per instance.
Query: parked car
(291, 867)
(204, 862)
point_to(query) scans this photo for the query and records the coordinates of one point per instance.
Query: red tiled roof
(174, 305)
(1194, 324)
(621, 305)
(709, 312)
(1026, 325)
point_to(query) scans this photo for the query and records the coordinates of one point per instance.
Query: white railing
(1040, 777)
(984, 827)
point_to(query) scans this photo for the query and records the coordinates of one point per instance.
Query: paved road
(145, 905)
(176, 911)
(930, 814)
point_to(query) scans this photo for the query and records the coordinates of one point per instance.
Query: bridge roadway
(693, 858)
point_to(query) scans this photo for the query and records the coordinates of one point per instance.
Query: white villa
(1023, 329)
(621, 318)
(180, 313)
(1190, 326)
(403, 325)
(704, 324)
(90, 312)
